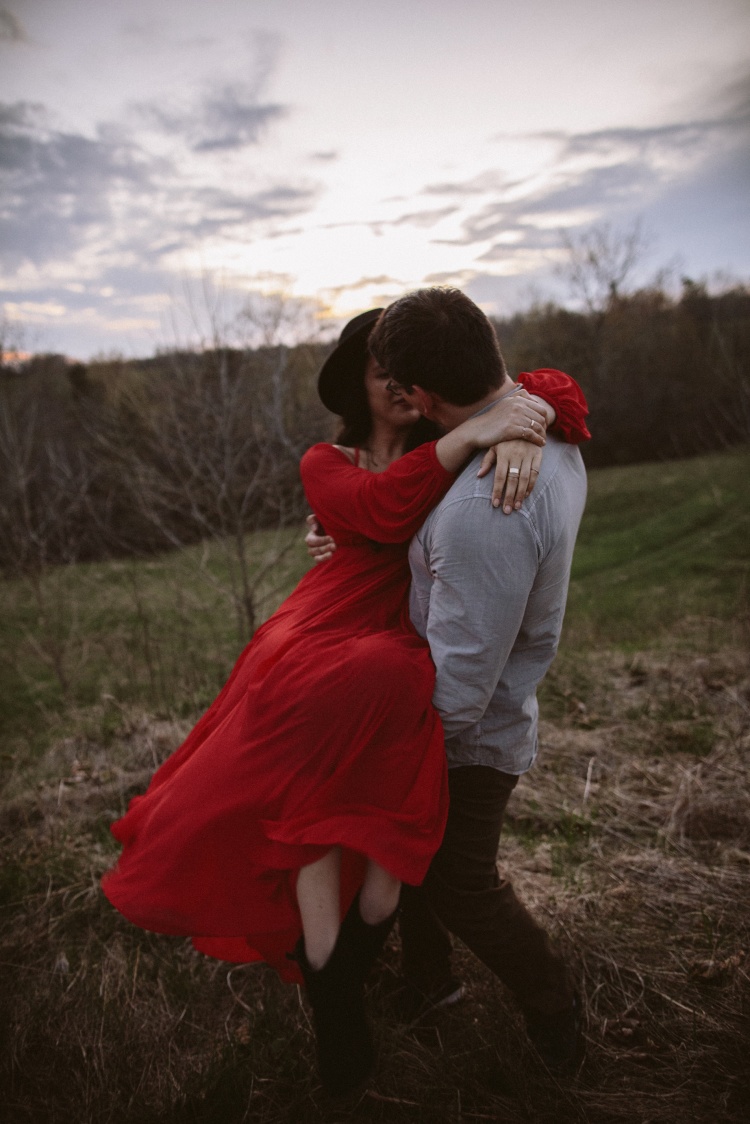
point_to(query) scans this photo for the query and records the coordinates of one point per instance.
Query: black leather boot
(343, 1039)
(336, 995)
(364, 941)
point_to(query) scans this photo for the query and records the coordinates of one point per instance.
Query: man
(488, 593)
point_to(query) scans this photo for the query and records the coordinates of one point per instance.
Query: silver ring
(514, 472)
(533, 424)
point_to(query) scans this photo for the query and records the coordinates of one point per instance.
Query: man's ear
(423, 399)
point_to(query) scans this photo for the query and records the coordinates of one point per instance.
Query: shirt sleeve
(565, 396)
(482, 574)
(387, 507)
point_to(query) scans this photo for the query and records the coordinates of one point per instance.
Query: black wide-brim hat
(346, 362)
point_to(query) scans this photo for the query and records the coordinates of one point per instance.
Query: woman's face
(385, 406)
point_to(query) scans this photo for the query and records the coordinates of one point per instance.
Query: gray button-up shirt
(488, 592)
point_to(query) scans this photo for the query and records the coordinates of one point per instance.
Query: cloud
(20, 115)
(733, 101)
(61, 191)
(521, 239)
(567, 194)
(667, 176)
(56, 185)
(112, 212)
(424, 219)
(493, 180)
(208, 210)
(679, 214)
(230, 117)
(365, 283)
(616, 172)
(11, 30)
(456, 278)
(655, 145)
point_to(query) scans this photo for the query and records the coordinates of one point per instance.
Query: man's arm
(483, 569)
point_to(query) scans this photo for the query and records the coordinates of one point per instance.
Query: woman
(315, 783)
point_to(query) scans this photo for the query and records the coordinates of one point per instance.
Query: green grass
(629, 840)
(94, 638)
(661, 543)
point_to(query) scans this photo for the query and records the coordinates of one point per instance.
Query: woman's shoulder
(325, 451)
(324, 457)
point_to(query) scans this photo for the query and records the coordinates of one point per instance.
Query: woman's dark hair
(356, 420)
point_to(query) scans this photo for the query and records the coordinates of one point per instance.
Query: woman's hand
(517, 466)
(548, 409)
(320, 546)
(515, 416)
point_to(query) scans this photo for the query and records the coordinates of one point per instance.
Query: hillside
(661, 542)
(630, 838)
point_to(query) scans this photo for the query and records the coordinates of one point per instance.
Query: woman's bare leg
(319, 902)
(335, 961)
(319, 905)
(378, 898)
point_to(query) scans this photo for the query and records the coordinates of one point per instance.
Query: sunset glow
(344, 153)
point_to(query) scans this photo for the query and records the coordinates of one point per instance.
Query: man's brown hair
(440, 340)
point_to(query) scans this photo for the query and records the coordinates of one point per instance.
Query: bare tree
(12, 338)
(601, 261)
(46, 484)
(214, 448)
(195, 446)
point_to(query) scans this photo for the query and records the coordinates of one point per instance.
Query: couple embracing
(358, 762)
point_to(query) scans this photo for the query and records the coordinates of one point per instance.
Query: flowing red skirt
(324, 735)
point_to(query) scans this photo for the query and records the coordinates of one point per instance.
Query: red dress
(323, 735)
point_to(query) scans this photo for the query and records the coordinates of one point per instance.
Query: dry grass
(630, 839)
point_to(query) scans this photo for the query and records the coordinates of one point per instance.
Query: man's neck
(449, 416)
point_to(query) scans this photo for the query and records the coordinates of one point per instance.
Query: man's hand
(517, 466)
(320, 546)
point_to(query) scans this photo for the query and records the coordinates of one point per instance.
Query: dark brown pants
(463, 894)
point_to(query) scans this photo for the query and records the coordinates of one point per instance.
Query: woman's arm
(565, 397)
(565, 409)
(515, 417)
(387, 507)
(390, 506)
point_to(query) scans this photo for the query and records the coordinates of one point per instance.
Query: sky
(166, 161)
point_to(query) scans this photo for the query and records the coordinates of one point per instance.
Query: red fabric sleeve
(565, 396)
(388, 507)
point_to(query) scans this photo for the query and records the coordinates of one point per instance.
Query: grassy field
(630, 839)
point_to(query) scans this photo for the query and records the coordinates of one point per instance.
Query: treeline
(664, 378)
(128, 458)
